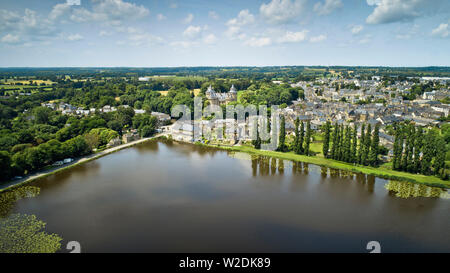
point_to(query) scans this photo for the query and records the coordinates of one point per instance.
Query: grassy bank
(321, 161)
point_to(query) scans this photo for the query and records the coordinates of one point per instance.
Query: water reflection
(134, 201)
(405, 190)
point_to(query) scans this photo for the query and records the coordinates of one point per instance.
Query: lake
(164, 196)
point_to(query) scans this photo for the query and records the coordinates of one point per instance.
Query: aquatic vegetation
(9, 198)
(406, 190)
(21, 233)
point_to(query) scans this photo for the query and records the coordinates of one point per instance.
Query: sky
(171, 33)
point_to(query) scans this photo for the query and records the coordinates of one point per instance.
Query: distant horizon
(219, 66)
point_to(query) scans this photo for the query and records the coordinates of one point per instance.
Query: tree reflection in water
(406, 190)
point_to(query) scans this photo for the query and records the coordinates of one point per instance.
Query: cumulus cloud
(192, 32)
(188, 18)
(160, 17)
(210, 39)
(357, 29)
(327, 7)
(75, 37)
(104, 33)
(28, 26)
(390, 11)
(142, 38)
(10, 39)
(58, 11)
(317, 39)
(441, 31)
(293, 37)
(109, 12)
(282, 11)
(213, 15)
(235, 25)
(258, 41)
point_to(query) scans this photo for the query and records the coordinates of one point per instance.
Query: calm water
(171, 197)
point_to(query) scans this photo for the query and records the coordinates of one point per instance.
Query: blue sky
(49, 33)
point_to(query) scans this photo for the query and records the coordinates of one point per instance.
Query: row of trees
(344, 144)
(418, 152)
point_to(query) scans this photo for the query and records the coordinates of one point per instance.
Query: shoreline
(41, 174)
(333, 164)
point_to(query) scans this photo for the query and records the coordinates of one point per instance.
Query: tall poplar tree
(297, 136)
(439, 160)
(412, 141)
(373, 154)
(354, 144)
(428, 152)
(282, 138)
(326, 139)
(335, 139)
(347, 144)
(367, 142)
(361, 144)
(308, 137)
(417, 149)
(302, 136)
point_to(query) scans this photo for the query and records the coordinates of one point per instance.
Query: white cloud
(317, 39)
(28, 26)
(138, 39)
(258, 42)
(390, 11)
(213, 15)
(75, 37)
(327, 7)
(366, 39)
(192, 32)
(373, 2)
(173, 6)
(408, 34)
(244, 18)
(282, 11)
(441, 31)
(110, 12)
(210, 39)
(188, 18)
(234, 30)
(357, 29)
(160, 17)
(58, 11)
(293, 37)
(104, 33)
(10, 39)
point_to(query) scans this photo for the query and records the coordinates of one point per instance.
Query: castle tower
(233, 93)
(210, 93)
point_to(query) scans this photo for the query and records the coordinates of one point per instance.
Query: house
(132, 135)
(114, 142)
(183, 131)
(162, 118)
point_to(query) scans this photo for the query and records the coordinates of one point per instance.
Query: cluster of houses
(324, 103)
(67, 109)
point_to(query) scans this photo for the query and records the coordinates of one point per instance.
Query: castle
(221, 98)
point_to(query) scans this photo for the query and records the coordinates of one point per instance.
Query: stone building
(217, 98)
